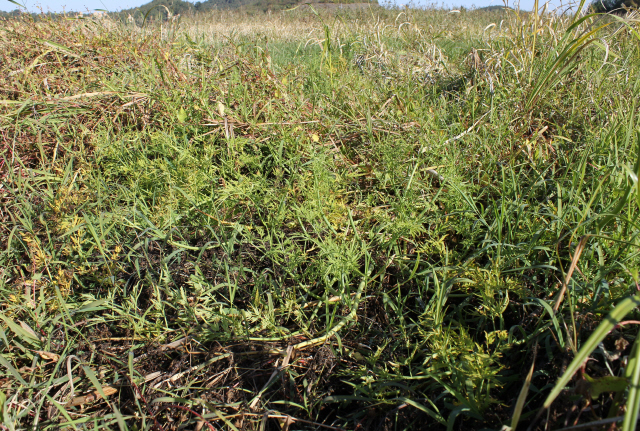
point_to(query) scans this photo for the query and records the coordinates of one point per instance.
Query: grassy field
(355, 219)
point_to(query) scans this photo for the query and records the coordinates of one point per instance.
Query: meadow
(366, 219)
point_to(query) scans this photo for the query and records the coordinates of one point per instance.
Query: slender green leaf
(616, 315)
(12, 371)
(632, 373)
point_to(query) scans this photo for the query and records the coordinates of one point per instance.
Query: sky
(116, 5)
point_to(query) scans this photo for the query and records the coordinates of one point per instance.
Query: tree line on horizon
(162, 9)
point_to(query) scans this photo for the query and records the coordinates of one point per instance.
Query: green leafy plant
(336, 218)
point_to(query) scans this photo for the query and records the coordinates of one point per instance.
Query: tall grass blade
(632, 373)
(612, 319)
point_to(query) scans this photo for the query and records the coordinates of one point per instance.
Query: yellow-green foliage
(361, 218)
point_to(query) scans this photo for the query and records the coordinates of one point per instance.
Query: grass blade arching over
(612, 319)
(333, 217)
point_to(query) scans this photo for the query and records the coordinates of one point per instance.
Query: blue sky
(115, 5)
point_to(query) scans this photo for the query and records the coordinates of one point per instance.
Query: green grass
(361, 220)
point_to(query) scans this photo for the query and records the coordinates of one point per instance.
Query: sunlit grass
(373, 219)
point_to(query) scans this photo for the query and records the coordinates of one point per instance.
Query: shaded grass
(357, 227)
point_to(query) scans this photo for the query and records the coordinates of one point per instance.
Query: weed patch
(338, 220)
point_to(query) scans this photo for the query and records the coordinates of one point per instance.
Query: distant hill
(14, 13)
(157, 9)
(614, 6)
(494, 8)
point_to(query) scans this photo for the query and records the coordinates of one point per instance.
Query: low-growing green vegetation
(338, 219)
